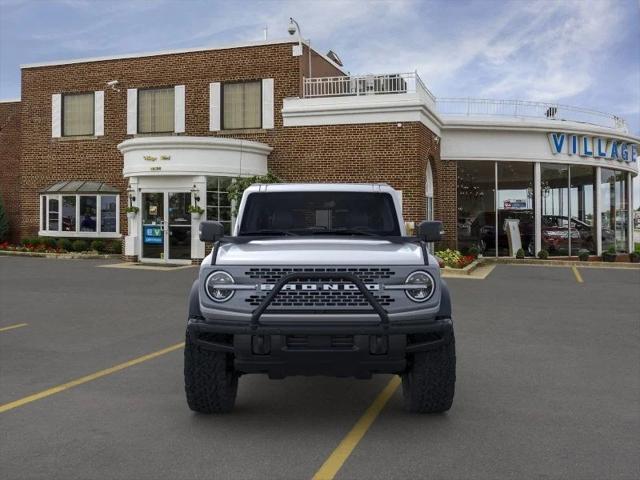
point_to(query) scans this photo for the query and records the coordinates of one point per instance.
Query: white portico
(167, 174)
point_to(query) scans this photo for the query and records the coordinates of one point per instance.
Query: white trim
(214, 107)
(62, 234)
(132, 111)
(56, 115)
(10, 100)
(157, 53)
(630, 213)
(179, 108)
(98, 113)
(77, 233)
(268, 119)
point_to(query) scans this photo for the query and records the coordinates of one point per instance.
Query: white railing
(356, 85)
(521, 108)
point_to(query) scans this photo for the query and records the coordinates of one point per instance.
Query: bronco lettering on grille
(314, 287)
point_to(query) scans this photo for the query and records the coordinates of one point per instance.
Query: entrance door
(166, 226)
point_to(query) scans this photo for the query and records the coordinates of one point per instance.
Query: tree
(240, 184)
(4, 223)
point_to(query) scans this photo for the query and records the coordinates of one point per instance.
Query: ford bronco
(319, 279)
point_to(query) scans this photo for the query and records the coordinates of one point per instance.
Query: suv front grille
(273, 274)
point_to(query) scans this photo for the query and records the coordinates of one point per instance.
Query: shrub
(474, 252)
(583, 254)
(47, 242)
(543, 254)
(449, 257)
(520, 253)
(634, 257)
(114, 246)
(240, 184)
(29, 241)
(65, 244)
(98, 245)
(79, 245)
(4, 223)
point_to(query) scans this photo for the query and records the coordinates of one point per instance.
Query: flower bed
(63, 245)
(454, 259)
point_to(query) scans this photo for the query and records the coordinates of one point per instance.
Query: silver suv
(319, 279)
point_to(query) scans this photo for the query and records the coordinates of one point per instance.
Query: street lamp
(293, 28)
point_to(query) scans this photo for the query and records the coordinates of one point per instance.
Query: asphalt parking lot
(548, 385)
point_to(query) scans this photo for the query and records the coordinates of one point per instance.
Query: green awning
(80, 186)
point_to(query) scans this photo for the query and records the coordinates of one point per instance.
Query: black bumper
(343, 350)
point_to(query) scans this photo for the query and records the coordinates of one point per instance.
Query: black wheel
(428, 385)
(210, 381)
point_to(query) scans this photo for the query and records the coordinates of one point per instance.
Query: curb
(63, 256)
(562, 263)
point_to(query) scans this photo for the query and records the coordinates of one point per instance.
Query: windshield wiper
(269, 231)
(350, 231)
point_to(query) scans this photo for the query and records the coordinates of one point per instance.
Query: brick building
(162, 131)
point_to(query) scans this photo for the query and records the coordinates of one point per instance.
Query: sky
(576, 52)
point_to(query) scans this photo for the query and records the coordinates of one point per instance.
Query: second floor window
(242, 105)
(77, 114)
(156, 110)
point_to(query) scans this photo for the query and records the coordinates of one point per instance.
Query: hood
(320, 251)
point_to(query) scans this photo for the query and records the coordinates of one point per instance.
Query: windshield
(319, 213)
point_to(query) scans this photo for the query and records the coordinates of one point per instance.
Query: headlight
(426, 283)
(214, 286)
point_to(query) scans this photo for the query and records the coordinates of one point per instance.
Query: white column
(537, 206)
(132, 239)
(630, 211)
(197, 247)
(598, 212)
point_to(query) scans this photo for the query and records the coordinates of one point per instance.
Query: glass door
(153, 242)
(179, 226)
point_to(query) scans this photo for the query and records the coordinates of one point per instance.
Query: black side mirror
(430, 231)
(211, 231)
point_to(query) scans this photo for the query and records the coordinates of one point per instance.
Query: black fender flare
(445, 301)
(194, 301)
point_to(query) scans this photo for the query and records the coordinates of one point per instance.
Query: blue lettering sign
(586, 148)
(634, 153)
(557, 142)
(624, 152)
(601, 150)
(573, 146)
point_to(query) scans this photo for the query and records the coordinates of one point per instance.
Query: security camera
(292, 27)
(112, 83)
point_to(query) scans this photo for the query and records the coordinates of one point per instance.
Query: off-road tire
(428, 385)
(210, 382)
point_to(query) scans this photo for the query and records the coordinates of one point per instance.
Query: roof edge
(10, 100)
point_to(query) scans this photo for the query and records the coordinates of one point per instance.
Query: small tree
(240, 184)
(4, 223)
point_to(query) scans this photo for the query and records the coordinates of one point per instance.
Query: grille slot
(333, 299)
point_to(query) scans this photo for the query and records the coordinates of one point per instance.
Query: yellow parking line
(576, 273)
(11, 327)
(335, 461)
(87, 378)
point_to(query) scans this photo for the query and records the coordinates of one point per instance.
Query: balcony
(405, 85)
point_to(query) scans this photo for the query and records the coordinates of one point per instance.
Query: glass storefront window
(476, 206)
(582, 208)
(218, 203)
(554, 188)
(108, 213)
(53, 213)
(614, 210)
(88, 213)
(515, 206)
(69, 213)
(622, 212)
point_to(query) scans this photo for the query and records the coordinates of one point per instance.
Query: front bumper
(342, 350)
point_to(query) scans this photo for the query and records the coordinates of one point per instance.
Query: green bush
(29, 241)
(520, 253)
(115, 247)
(583, 255)
(240, 184)
(474, 252)
(543, 254)
(611, 249)
(65, 244)
(47, 242)
(98, 245)
(4, 223)
(449, 257)
(79, 245)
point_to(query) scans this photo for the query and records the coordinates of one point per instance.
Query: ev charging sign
(596, 147)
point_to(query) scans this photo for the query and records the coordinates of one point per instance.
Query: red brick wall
(10, 163)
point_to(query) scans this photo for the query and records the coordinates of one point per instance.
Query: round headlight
(215, 289)
(427, 286)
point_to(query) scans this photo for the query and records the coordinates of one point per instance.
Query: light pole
(293, 28)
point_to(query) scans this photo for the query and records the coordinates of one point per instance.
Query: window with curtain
(156, 110)
(77, 114)
(242, 105)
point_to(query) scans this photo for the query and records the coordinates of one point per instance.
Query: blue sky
(578, 52)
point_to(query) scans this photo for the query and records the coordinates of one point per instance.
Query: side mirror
(430, 231)
(211, 231)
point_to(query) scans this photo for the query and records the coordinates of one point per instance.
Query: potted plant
(610, 255)
(543, 254)
(195, 211)
(583, 255)
(132, 212)
(634, 256)
(520, 253)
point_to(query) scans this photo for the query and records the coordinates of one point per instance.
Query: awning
(80, 186)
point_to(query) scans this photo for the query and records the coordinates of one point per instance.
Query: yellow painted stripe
(577, 274)
(335, 461)
(87, 378)
(11, 327)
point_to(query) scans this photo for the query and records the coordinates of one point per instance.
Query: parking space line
(11, 327)
(334, 463)
(576, 273)
(87, 378)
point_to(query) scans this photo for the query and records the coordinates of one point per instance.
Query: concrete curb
(63, 256)
(562, 263)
